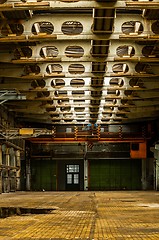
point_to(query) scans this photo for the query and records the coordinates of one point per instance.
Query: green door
(43, 175)
(115, 174)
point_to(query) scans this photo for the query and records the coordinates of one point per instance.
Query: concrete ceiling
(80, 62)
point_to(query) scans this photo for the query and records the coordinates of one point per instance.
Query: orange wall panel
(141, 152)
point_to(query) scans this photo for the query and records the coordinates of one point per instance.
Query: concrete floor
(82, 215)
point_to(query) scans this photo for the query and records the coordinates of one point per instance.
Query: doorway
(72, 177)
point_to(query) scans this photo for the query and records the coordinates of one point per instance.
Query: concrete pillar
(0, 181)
(156, 165)
(0, 169)
(0, 154)
(28, 175)
(85, 170)
(85, 175)
(8, 157)
(3, 147)
(17, 155)
(7, 172)
(6, 180)
(154, 174)
(144, 180)
(12, 157)
(12, 173)
(157, 174)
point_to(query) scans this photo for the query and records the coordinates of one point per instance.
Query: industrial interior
(79, 95)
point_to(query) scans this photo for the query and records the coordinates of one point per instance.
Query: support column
(7, 172)
(17, 154)
(12, 170)
(28, 175)
(85, 170)
(27, 165)
(144, 180)
(7, 157)
(0, 169)
(157, 174)
(156, 165)
(85, 175)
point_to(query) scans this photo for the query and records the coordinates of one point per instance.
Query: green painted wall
(115, 174)
(43, 175)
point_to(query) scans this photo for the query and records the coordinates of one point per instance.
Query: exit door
(72, 177)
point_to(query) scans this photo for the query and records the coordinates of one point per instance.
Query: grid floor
(83, 215)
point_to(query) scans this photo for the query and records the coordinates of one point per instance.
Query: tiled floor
(82, 215)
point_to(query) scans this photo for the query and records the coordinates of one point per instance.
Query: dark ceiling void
(151, 14)
(16, 15)
(103, 20)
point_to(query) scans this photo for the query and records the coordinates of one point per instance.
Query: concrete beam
(57, 5)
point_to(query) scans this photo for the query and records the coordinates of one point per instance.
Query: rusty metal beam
(70, 140)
